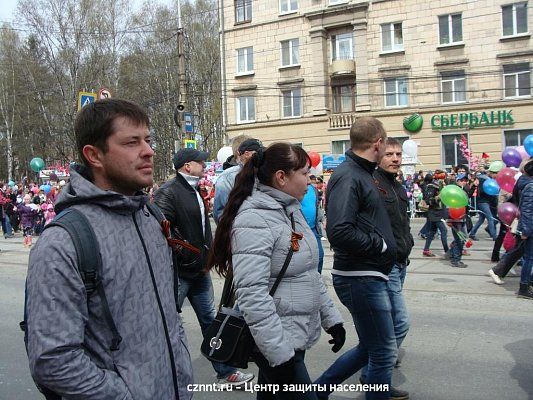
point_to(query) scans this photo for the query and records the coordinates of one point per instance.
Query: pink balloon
(523, 153)
(505, 179)
(507, 212)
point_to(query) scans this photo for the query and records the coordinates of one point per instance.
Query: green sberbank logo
(413, 123)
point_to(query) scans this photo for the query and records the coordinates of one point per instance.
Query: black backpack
(89, 266)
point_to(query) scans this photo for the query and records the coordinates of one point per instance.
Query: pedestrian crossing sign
(189, 144)
(85, 98)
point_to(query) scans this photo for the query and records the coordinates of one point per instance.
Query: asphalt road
(469, 338)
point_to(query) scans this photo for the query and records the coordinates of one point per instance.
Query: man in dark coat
(183, 206)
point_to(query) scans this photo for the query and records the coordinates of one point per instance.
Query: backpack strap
(89, 261)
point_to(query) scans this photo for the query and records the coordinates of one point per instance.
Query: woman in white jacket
(252, 242)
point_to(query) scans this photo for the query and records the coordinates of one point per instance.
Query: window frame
(397, 92)
(393, 48)
(457, 151)
(346, 145)
(336, 2)
(289, 9)
(238, 101)
(451, 31)
(248, 52)
(515, 21)
(335, 48)
(291, 47)
(517, 86)
(337, 97)
(246, 6)
(453, 79)
(292, 97)
(517, 131)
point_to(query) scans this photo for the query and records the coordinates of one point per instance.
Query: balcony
(338, 121)
(342, 68)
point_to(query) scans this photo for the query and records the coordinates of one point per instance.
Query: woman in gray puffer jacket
(252, 242)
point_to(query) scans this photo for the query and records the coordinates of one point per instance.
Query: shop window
(343, 98)
(517, 80)
(342, 46)
(453, 87)
(245, 109)
(514, 19)
(396, 92)
(516, 137)
(391, 37)
(450, 29)
(243, 10)
(451, 152)
(339, 146)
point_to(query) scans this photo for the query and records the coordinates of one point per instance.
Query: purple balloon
(507, 212)
(511, 157)
(523, 152)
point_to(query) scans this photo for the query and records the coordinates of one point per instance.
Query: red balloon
(315, 158)
(457, 213)
(505, 179)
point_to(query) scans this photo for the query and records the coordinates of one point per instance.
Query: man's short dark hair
(528, 168)
(95, 122)
(392, 142)
(365, 131)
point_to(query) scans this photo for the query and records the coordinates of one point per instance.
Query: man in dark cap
(183, 206)
(226, 180)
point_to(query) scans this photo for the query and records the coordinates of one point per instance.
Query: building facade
(303, 70)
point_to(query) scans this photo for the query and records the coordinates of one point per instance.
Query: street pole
(182, 86)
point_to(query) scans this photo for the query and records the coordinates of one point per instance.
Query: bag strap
(89, 261)
(228, 293)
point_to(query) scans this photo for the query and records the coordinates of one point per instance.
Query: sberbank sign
(472, 120)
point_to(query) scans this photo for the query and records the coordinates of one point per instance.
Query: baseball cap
(460, 177)
(250, 145)
(187, 155)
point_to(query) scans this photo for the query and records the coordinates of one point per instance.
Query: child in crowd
(27, 212)
(458, 225)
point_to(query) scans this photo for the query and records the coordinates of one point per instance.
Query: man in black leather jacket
(183, 206)
(359, 230)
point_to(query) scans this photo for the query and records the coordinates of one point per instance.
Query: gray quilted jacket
(261, 236)
(68, 338)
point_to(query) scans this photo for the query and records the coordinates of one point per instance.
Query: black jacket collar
(368, 166)
(388, 175)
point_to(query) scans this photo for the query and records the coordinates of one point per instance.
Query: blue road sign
(85, 98)
(187, 117)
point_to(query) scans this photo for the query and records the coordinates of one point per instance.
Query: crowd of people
(123, 337)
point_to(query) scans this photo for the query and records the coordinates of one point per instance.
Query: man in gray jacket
(68, 337)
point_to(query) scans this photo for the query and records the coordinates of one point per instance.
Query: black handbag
(228, 340)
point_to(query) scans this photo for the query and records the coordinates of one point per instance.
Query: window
(245, 60)
(245, 109)
(516, 137)
(333, 2)
(342, 47)
(339, 146)
(391, 37)
(514, 19)
(396, 92)
(517, 80)
(343, 98)
(287, 6)
(243, 10)
(292, 103)
(290, 53)
(451, 153)
(450, 28)
(453, 87)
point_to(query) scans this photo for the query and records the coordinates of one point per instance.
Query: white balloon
(62, 183)
(317, 171)
(410, 148)
(224, 153)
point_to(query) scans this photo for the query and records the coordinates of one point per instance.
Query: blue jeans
(367, 299)
(525, 275)
(456, 248)
(433, 226)
(399, 309)
(301, 376)
(6, 226)
(320, 250)
(200, 293)
(485, 214)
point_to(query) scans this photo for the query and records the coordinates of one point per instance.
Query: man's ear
(92, 155)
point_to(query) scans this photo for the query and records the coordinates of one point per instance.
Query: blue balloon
(46, 188)
(491, 187)
(11, 184)
(528, 145)
(41, 187)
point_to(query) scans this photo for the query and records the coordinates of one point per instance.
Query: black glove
(338, 333)
(283, 373)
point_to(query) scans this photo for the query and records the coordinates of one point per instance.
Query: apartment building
(303, 70)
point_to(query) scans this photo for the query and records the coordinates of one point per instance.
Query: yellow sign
(189, 144)
(85, 98)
